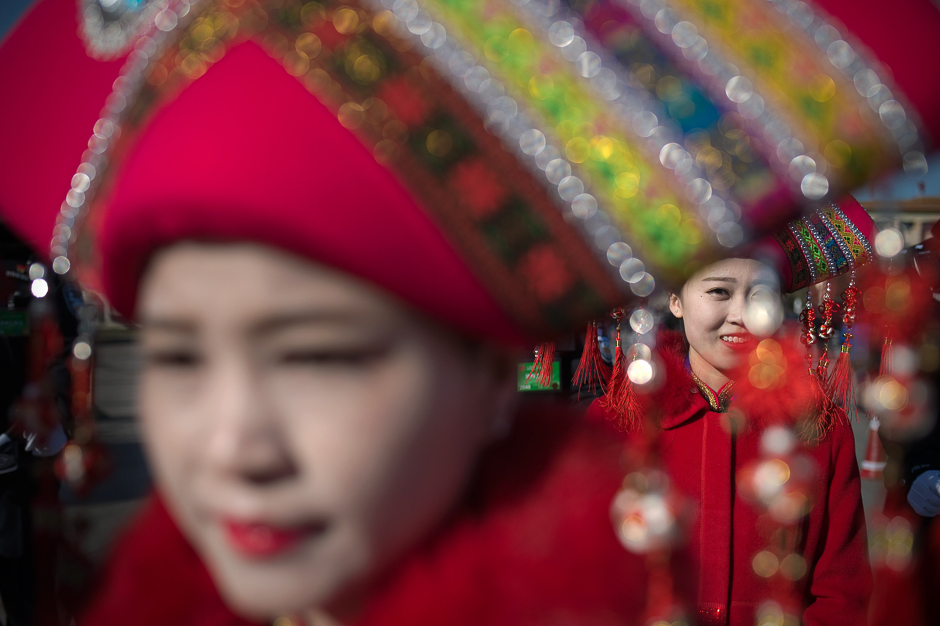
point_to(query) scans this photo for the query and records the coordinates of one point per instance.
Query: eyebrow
(721, 279)
(341, 317)
(168, 325)
(269, 325)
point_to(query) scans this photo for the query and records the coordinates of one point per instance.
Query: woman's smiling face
(712, 306)
(304, 427)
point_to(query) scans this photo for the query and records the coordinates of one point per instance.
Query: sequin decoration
(110, 27)
(604, 129)
(367, 69)
(796, 80)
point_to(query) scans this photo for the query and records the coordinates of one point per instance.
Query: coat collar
(679, 400)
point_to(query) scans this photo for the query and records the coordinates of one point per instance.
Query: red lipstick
(263, 540)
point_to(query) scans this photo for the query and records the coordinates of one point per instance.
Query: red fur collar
(791, 398)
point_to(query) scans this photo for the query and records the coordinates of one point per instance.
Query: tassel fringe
(544, 362)
(841, 387)
(592, 372)
(822, 418)
(887, 356)
(621, 401)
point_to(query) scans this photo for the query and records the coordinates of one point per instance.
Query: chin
(268, 594)
(724, 361)
(266, 589)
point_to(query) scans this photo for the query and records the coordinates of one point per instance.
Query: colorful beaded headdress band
(826, 242)
(644, 127)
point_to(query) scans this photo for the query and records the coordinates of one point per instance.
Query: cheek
(389, 449)
(703, 318)
(168, 406)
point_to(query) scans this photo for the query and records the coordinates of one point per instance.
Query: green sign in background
(531, 384)
(14, 323)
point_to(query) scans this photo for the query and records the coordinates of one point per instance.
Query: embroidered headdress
(567, 155)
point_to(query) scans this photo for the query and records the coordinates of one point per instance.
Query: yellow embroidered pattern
(718, 402)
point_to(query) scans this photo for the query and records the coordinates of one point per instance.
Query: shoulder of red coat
(539, 510)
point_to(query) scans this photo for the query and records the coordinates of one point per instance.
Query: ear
(675, 305)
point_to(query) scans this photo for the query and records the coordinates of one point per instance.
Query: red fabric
(698, 452)
(157, 579)
(906, 593)
(247, 153)
(903, 36)
(52, 95)
(532, 544)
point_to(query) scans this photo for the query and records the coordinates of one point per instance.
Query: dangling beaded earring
(841, 386)
(592, 372)
(826, 311)
(808, 336)
(815, 427)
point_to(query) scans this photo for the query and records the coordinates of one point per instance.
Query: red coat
(727, 531)
(531, 544)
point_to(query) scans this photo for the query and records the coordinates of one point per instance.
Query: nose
(246, 440)
(736, 310)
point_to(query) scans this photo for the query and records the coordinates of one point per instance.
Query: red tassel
(544, 363)
(887, 354)
(592, 371)
(621, 402)
(823, 417)
(841, 387)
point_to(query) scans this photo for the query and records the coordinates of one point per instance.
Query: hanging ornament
(826, 311)
(544, 364)
(621, 402)
(841, 386)
(815, 426)
(592, 372)
(808, 336)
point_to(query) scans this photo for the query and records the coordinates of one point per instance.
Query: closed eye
(172, 358)
(327, 358)
(718, 291)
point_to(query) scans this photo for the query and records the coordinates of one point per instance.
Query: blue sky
(10, 11)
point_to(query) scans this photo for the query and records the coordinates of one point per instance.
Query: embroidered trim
(844, 224)
(718, 402)
(816, 258)
(844, 249)
(807, 256)
(799, 269)
(835, 261)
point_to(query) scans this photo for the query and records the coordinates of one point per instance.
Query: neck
(705, 371)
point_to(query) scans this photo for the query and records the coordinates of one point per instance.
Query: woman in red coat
(766, 461)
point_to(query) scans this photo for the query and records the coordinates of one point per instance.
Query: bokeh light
(889, 242)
